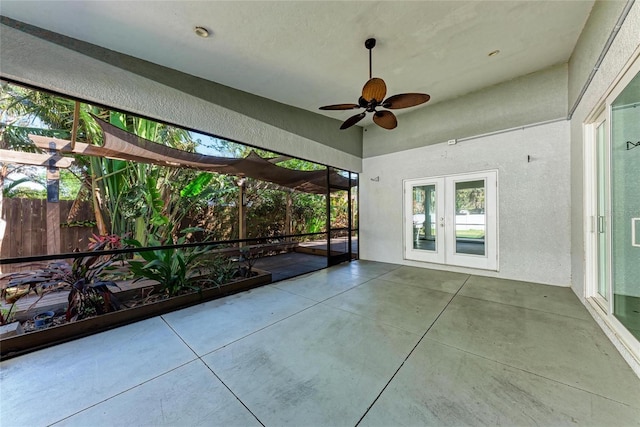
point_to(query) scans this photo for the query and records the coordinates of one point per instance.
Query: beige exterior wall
(533, 199)
(593, 38)
(533, 98)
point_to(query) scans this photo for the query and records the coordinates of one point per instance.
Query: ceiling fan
(373, 94)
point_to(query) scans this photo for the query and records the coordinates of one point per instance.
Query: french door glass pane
(424, 217)
(470, 222)
(625, 206)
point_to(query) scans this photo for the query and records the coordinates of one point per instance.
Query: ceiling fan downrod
(370, 44)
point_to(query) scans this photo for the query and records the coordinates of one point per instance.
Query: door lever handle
(634, 234)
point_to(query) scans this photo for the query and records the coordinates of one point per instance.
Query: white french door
(452, 220)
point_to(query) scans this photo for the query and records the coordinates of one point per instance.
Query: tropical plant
(106, 242)
(140, 200)
(128, 197)
(20, 284)
(246, 261)
(6, 316)
(309, 212)
(268, 202)
(88, 295)
(87, 299)
(220, 270)
(215, 209)
(87, 268)
(25, 111)
(177, 269)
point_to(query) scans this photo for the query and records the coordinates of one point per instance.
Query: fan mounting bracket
(370, 43)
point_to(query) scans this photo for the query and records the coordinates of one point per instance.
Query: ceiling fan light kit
(373, 97)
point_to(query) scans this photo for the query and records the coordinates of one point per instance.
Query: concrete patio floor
(362, 343)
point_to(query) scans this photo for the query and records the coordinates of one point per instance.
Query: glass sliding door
(612, 165)
(452, 220)
(625, 206)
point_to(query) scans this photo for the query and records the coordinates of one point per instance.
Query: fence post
(53, 203)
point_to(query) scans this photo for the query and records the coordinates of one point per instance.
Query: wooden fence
(26, 228)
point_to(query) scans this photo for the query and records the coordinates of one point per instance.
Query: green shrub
(180, 269)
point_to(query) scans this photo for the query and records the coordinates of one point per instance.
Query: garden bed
(30, 341)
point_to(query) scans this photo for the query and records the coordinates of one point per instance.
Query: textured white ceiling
(311, 53)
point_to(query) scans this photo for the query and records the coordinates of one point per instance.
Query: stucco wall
(533, 98)
(533, 199)
(78, 69)
(593, 38)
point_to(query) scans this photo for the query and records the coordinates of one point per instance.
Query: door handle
(600, 224)
(634, 234)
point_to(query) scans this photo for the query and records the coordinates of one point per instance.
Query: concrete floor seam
(370, 318)
(529, 372)
(400, 282)
(418, 286)
(525, 308)
(210, 369)
(122, 392)
(410, 353)
(179, 336)
(234, 395)
(261, 329)
(326, 299)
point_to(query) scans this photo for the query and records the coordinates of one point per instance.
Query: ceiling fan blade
(340, 107)
(352, 120)
(376, 89)
(405, 100)
(385, 119)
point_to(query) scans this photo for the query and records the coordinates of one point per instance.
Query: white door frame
(592, 222)
(445, 252)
